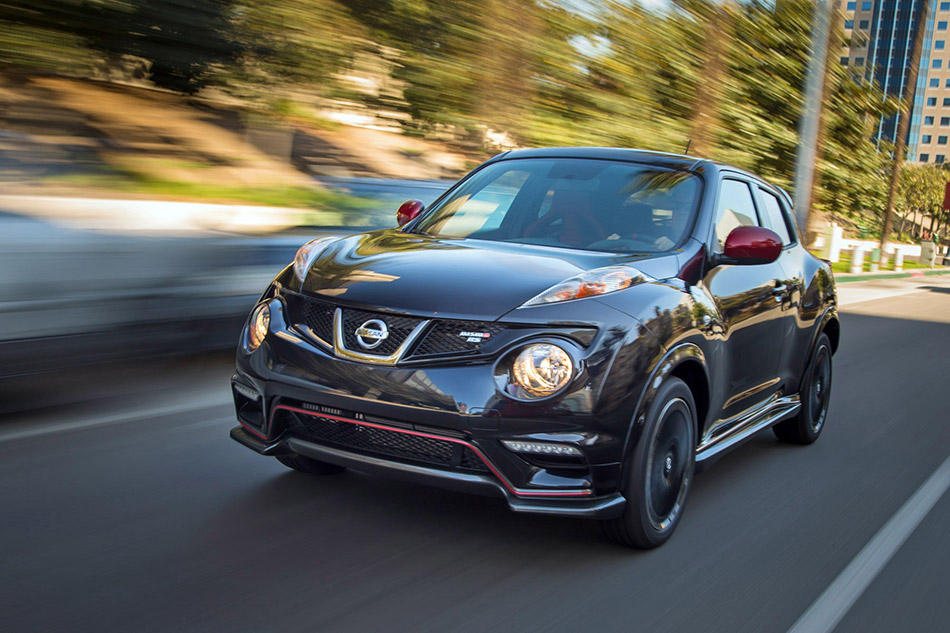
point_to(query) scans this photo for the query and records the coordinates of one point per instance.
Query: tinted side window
(735, 208)
(774, 217)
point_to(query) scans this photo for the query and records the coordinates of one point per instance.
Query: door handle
(780, 291)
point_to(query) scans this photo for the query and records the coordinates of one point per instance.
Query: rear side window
(774, 217)
(735, 208)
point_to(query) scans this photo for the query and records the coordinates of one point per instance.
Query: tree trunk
(704, 122)
(508, 29)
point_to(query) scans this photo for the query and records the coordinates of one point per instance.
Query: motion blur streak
(161, 161)
(158, 525)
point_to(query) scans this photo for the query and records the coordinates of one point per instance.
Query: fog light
(257, 327)
(542, 369)
(541, 448)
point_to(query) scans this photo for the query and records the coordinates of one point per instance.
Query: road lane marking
(25, 430)
(832, 605)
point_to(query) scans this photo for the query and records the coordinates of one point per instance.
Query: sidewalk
(876, 286)
(890, 274)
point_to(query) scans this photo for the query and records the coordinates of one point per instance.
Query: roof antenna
(688, 143)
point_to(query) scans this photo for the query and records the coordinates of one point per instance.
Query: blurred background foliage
(725, 78)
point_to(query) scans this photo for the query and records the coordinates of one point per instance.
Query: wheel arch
(693, 373)
(832, 327)
(828, 324)
(687, 362)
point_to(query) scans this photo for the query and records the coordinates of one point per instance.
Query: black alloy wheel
(660, 475)
(815, 394)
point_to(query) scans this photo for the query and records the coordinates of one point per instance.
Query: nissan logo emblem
(371, 334)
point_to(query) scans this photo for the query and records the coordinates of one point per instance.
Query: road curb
(870, 276)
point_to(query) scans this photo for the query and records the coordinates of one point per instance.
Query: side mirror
(409, 210)
(751, 245)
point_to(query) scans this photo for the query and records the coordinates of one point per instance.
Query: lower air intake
(374, 441)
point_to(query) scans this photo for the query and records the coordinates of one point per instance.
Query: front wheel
(815, 394)
(660, 475)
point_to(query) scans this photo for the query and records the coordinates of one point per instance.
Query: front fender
(684, 352)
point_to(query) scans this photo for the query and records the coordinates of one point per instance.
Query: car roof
(662, 159)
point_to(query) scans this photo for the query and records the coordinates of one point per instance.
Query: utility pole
(903, 120)
(811, 114)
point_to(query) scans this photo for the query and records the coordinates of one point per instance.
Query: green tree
(180, 41)
(47, 39)
(465, 63)
(563, 104)
(291, 46)
(920, 191)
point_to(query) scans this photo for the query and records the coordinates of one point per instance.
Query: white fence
(832, 243)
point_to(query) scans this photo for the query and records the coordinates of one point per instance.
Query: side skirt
(773, 413)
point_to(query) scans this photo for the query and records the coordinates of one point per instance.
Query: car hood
(449, 277)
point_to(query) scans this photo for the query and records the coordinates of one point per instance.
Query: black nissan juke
(574, 329)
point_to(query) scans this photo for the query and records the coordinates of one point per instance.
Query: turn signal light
(541, 448)
(307, 254)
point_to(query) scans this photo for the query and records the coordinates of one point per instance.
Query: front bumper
(603, 507)
(440, 423)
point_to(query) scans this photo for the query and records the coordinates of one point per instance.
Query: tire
(815, 394)
(661, 471)
(309, 466)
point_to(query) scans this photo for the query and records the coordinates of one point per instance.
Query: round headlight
(258, 326)
(542, 369)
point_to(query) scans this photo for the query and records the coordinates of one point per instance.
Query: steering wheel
(559, 227)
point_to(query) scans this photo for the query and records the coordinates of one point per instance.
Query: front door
(749, 299)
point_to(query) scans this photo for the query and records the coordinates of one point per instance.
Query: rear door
(777, 216)
(749, 299)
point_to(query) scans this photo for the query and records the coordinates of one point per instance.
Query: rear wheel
(308, 465)
(815, 394)
(661, 473)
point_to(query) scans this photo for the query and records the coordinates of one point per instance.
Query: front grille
(399, 328)
(374, 441)
(311, 313)
(315, 316)
(447, 337)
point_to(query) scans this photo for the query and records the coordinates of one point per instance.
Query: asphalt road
(125, 507)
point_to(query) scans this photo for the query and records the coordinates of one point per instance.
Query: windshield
(596, 205)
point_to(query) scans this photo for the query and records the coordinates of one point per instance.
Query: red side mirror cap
(752, 245)
(409, 210)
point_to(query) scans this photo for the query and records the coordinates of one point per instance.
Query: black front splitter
(603, 507)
